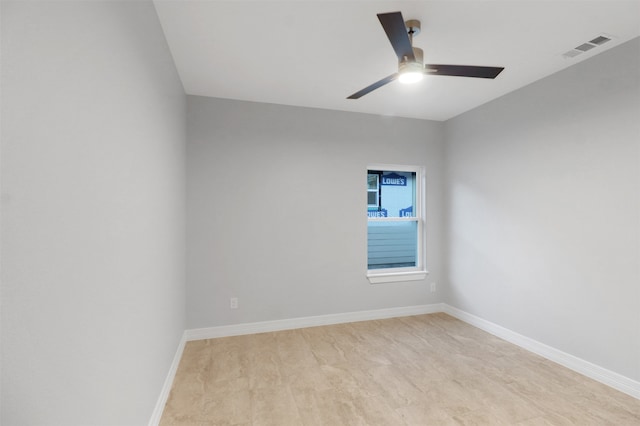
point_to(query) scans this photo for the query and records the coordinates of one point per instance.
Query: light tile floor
(420, 370)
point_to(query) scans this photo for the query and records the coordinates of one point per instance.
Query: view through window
(394, 220)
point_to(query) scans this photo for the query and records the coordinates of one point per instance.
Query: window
(395, 228)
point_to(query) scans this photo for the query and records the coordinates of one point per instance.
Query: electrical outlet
(433, 287)
(233, 303)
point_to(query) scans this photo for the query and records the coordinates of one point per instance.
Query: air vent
(584, 47)
(600, 40)
(571, 54)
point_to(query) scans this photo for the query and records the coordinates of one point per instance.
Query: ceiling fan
(410, 59)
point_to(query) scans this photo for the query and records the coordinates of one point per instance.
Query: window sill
(391, 277)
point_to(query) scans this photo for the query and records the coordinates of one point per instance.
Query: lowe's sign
(377, 213)
(408, 212)
(393, 179)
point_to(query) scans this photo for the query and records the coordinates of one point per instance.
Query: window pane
(372, 198)
(392, 244)
(397, 193)
(372, 181)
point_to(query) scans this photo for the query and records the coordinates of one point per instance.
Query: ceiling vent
(584, 47)
(600, 40)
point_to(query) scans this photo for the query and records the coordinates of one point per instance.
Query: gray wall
(93, 201)
(543, 235)
(276, 207)
(544, 210)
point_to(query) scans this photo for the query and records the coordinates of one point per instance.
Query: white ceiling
(316, 53)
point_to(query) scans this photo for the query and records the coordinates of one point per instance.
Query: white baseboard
(600, 374)
(168, 383)
(293, 323)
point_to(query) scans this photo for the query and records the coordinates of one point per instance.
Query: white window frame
(418, 272)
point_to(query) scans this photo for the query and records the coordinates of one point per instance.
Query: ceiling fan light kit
(411, 67)
(411, 71)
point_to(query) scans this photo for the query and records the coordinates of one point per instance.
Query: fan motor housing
(404, 64)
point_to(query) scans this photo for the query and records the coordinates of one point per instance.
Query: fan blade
(393, 24)
(463, 70)
(374, 86)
